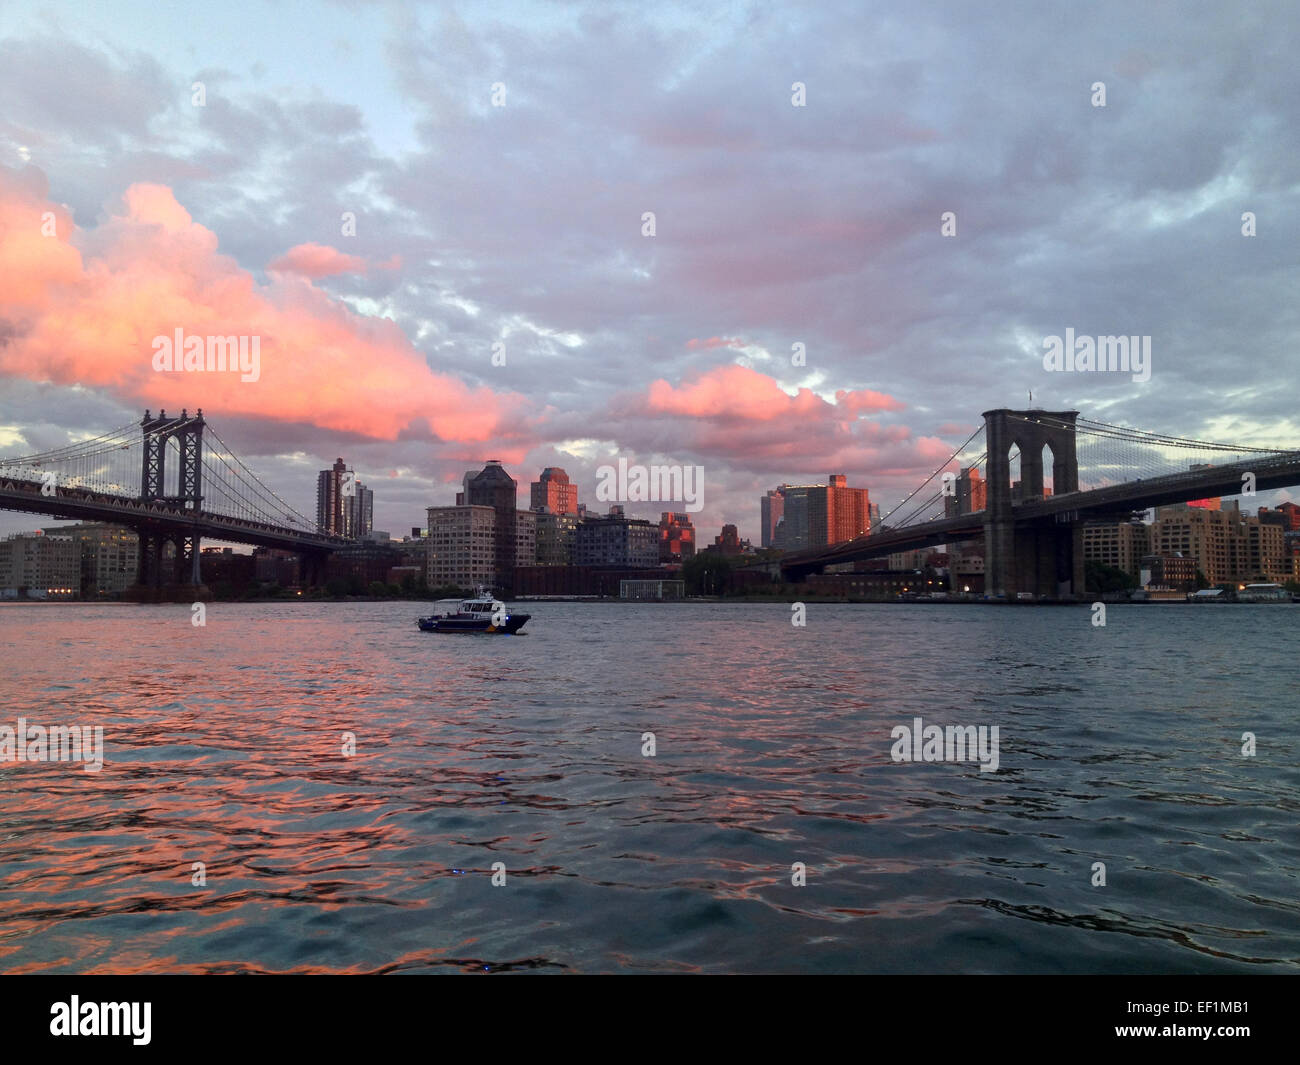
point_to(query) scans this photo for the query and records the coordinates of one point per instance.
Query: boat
(479, 614)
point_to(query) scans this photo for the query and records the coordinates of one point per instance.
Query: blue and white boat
(481, 614)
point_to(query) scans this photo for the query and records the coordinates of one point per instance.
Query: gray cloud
(776, 224)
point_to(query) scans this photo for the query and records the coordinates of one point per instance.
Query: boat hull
(473, 625)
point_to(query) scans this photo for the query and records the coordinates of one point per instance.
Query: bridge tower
(188, 433)
(1044, 557)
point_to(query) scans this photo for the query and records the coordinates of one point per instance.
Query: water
(223, 745)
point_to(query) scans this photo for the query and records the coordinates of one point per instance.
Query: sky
(798, 310)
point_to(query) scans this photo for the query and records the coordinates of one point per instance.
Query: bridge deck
(162, 515)
(1093, 503)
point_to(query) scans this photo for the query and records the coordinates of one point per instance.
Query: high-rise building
(848, 511)
(676, 537)
(772, 507)
(358, 511)
(817, 515)
(971, 494)
(555, 537)
(344, 506)
(791, 533)
(493, 487)
(552, 492)
(329, 498)
(461, 547)
(525, 540)
(616, 541)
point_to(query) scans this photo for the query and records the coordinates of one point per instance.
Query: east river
(695, 787)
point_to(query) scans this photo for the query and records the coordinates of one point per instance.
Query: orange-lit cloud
(738, 393)
(82, 307)
(862, 400)
(715, 342)
(320, 260)
(741, 416)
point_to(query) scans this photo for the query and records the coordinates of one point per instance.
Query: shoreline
(598, 600)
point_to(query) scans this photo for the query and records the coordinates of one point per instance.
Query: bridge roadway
(158, 516)
(1113, 502)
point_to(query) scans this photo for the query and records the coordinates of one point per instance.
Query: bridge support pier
(1000, 558)
(1043, 558)
(187, 560)
(150, 559)
(154, 570)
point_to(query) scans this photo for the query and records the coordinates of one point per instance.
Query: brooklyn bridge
(1033, 530)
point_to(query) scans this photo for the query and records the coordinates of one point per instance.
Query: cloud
(319, 260)
(776, 225)
(714, 342)
(740, 417)
(82, 308)
(865, 399)
(737, 393)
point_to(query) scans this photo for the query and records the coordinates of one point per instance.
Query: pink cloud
(714, 342)
(743, 418)
(319, 260)
(864, 399)
(732, 393)
(737, 393)
(82, 307)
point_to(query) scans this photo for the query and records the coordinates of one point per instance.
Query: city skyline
(344, 504)
(780, 322)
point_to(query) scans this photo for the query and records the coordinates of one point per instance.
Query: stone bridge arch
(1046, 558)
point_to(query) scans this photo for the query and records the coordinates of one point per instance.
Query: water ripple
(477, 759)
